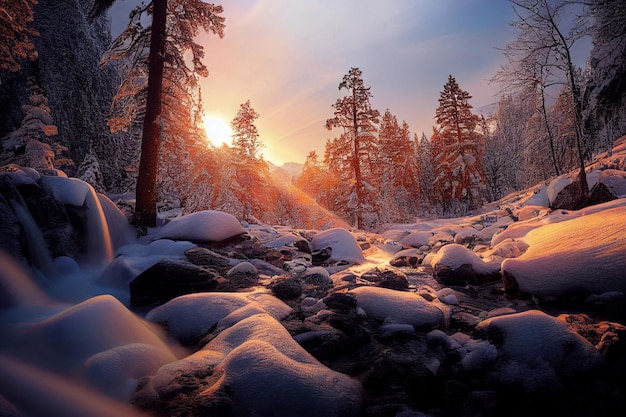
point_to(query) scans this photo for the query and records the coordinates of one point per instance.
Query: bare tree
(541, 56)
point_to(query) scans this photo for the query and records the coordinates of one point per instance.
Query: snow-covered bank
(208, 315)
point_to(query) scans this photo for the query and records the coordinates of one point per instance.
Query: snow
(134, 259)
(583, 254)
(266, 371)
(540, 198)
(72, 191)
(417, 239)
(201, 226)
(116, 371)
(556, 186)
(243, 268)
(479, 354)
(455, 255)
(190, 317)
(252, 360)
(342, 243)
(397, 307)
(67, 339)
(22, 175)
(534, 337)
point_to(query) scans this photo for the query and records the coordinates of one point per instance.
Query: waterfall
(72, 191)
(17, 288)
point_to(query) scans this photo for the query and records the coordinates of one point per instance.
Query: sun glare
(218, 131)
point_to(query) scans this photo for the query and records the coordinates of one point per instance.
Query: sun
(218, 131)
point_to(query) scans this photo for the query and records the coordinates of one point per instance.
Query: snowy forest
(475, 269)
(551, 117)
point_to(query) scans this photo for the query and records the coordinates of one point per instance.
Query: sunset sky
(287, 57)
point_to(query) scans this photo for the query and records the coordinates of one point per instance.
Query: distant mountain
(288, 170)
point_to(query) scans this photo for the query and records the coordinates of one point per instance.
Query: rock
(343, 246)
(461, 275)
(252, 368)
(168, 279)
(286, 287)
(213, 311)
(341, 302)
(317, 281)
(207, 258)
(455, 264)
(398, 307)
(565, 351)
(408, 258)
(569, 198)
(387, 277)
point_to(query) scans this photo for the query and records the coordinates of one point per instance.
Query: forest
(551, 117)
(475, 269)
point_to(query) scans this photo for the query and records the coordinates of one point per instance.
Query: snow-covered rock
(342, 243)
(417, 239)
(582, 255)
(255, 368)
(398, 307)
(189, 318)
(535, 339)
(456, 264)
(201, 226)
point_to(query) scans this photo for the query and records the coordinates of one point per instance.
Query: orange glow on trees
(217, 130)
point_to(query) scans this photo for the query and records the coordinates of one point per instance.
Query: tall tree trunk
(356, 162)
(557, 170)
(576, 103)
(145, 210)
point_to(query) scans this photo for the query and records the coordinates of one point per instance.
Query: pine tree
(354, 114)
(458, 169)
(245, 134)
(424, 172)
(175, 24)
(251, 171)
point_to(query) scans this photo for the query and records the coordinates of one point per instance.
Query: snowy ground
(479, 315)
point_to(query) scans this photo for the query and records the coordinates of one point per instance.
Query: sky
(288, 57)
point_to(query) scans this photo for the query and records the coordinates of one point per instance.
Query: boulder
(168, 279)
(387, 277)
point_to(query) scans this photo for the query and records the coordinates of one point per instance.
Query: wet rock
(340, 302)
(461, 275)
(169, 279)
(387, 277)
(286, 287)
(317, 282)
(207, 258)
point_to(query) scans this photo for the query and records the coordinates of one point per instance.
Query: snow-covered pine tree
(175, 25)
(251, 171)
(424, 173)
(355, 116)
(457, 161)
(397, 185)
